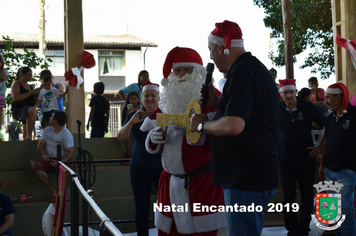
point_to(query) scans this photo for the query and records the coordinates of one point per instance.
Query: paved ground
(268, 231)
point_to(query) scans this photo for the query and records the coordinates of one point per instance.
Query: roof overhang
(127, 42)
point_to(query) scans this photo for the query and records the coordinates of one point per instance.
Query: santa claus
(185, 184)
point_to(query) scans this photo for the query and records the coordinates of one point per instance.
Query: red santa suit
(180, 157)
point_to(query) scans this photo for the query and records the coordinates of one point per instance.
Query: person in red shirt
(318, 94)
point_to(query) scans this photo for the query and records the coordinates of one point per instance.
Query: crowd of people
(251, 134)
(26, 99)
(48, 98)
(251, 111)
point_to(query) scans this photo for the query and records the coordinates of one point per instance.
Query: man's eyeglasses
(150, 95)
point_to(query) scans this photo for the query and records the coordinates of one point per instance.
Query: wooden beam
(42, 27)
(344, 21)
(350, 23)
(73, 48)
(288, 39)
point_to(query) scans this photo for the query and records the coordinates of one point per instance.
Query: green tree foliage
(311, 28)
(16, 59)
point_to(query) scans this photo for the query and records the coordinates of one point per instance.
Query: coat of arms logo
(346, 125)
(327, 214)
(300, 116)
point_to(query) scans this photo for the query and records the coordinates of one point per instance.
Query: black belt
(205, 168)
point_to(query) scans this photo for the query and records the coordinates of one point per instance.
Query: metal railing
(107, 228)
(115, 117)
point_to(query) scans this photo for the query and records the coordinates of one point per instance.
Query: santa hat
(180, 57)
(340, 88)
(150, 86)
(349, 45)
(0, 183)
(285, 84)
(227, 34)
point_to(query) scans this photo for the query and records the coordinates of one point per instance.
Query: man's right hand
(45, 157)
(213, 97)
(53, 162)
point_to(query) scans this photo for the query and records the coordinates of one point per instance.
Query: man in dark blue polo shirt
(296, 118)
(244, 131)
(339, 152)
(7, 214)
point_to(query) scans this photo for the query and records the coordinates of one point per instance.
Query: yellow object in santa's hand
(182, 120)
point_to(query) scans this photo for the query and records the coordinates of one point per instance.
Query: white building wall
(133, 65)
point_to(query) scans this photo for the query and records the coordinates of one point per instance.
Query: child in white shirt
(48, 96)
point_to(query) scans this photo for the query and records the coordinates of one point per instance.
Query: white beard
(176, 95)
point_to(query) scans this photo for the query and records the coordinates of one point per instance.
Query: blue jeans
(348, 179)
(246, 223)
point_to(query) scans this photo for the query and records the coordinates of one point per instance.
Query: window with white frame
(111, 63)
(57, 66)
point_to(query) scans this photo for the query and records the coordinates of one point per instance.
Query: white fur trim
(211, 115)
(180, 64)
(210, 222)
(185, 222)
(147, 145)
(226, 51)
(164, 82)
(172, 152)
(286, 87)
(179, 196)
(150, 87)
(148, 124)
(235, 43)
(333, 91)
(163, 222)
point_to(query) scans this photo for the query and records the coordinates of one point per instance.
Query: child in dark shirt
(99, 113)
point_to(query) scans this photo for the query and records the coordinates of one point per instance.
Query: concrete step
(25, 182)
(19, 155)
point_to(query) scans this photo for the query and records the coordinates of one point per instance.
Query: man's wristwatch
(200, 127)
